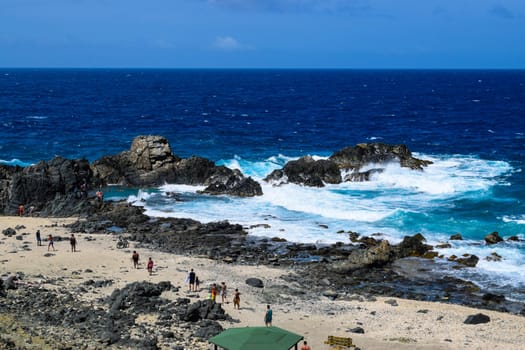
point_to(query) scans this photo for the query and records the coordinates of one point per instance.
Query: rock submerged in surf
(349, 160)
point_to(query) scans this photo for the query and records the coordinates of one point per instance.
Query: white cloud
(227, 43)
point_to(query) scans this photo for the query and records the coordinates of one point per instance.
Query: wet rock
(493, 298)
(456, 237)
(307, 171)
(493, 238)
(469, 260)
(494, 257)
(376, 153)
(412, 246)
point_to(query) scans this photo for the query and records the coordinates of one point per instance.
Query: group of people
(51, 241)
(192, 279)
(135, 258)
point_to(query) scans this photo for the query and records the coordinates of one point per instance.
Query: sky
(357, 34)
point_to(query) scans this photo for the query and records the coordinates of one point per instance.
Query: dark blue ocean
(471, 124)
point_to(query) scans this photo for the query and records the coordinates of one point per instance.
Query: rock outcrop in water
(64, 187)
(150, 162)
(351, 160)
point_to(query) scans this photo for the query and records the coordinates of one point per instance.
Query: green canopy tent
(256, 338)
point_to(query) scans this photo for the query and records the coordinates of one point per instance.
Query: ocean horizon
(469, 123)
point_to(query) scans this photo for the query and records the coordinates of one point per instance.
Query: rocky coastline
(365, 268)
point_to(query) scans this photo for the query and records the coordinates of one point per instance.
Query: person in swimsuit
(237, 300)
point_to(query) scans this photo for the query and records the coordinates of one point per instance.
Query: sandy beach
(387, 322)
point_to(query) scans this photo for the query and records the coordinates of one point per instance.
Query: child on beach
(237, 299)
(224, 293)
(213, 292)
(150, 266)
(51, 243)
(268, 316)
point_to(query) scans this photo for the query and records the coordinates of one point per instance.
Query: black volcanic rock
(150, 162)
(477, 319)
(64, 187)
(52, 188)
(353, 158)
(309, 172)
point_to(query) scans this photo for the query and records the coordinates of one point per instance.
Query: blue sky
(263, 33)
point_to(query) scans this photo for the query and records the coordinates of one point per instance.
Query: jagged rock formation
(351, 160)
(150, 162)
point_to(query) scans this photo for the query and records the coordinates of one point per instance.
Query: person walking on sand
(237, 299)
(268, 316)
(73, 242)
(191, 280)
(197, 284)
(38, 238)
(135, 258)
(21, 210)
(224, 292)
(150, 266)
(305, 346)
(51, 244)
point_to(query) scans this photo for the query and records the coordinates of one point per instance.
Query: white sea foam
(15, 162)
(515, 219)
(301, 213)
(37, 117)
(139, 199)
(489, 271)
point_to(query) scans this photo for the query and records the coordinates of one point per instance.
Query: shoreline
(387, 322)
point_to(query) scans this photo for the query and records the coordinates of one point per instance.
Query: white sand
(410, 325)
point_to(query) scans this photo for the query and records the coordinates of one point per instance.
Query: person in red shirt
(305, 346)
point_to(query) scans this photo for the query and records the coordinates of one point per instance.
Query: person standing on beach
(73, 242)
(268, 316)
(21, 210)
(38, 238)
(150, 266)
(237, 299)
(305, 346)
(224, 292)
(51, 243)
(135, 258)
(191, 280)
